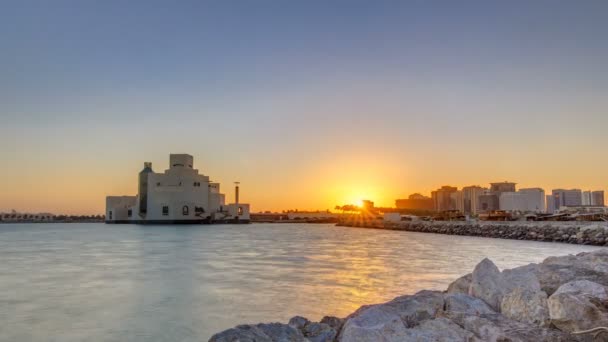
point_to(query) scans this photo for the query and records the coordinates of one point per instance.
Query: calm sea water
(96, 282)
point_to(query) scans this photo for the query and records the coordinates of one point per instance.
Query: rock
(556, 271)
(515, 293)
(579, 305)
(486, 284)
(498, 328)
(440, 329)
(458, 302)
(298, 322)
(319, 332)
(333, 322)
(526, 306)
(273, 332)
(461, 285)
(390, 321)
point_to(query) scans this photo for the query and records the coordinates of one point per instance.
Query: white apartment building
(179, 195)
(524, 200)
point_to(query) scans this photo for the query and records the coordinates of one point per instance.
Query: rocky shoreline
(554, 300)
(583, 233)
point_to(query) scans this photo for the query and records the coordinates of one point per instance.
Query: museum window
(165, 210)
(110, 214)
(130, 212)
(185, 210)
(240, 211)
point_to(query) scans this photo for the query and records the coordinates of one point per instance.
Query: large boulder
(390, 321)
(333, 322)
(273, 332)
(498, 328)
(526, 306)
(439, 330)
(458, 302)
(556, 271)
(579, 305)
(319, 332)
(515, 293)
(487, 284)
(298, 322)
(460, 285)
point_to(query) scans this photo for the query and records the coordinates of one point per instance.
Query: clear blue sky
(358, 98)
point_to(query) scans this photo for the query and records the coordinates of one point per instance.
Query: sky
(308, 104)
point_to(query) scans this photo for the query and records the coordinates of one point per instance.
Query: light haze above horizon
(308, 104)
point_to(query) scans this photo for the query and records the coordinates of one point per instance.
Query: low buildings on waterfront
(178, 195)
(15, 216)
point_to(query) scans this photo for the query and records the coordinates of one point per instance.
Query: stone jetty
(583, 233)
(561, 299)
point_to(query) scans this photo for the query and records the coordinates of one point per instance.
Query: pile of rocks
(538, 302)
(584, 233)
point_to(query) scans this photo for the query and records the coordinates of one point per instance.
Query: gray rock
(390, 321)
(458, 302)
(241, 333)
(556, 271)
(527, 306)
(319, 332)
(487, 284)
(440, 329)
(272, 332)
(298, 322)
(333, 322)
(498, 328)
(460, 285)
(579, 305)
(515, 293)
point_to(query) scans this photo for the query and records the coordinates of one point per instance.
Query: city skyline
(308, 105)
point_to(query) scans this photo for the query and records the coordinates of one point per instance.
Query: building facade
(593, 198)
(179, 195)
(566, 198)
(415, 201)
(597, 198)
(502, 187)
(442, 198)
(524, 200)
(470, 195)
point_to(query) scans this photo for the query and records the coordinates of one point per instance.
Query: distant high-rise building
(524, 200)
(488, 201)
(567, 198)
(415, 201)
(535, 198)
(457, 201)
(502, 187)
(550, 204)
(586, 198)
(597, 198)
(593, 198)
(470, 196)
(442, 199)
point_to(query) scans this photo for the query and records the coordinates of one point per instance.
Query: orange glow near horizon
(76, 185)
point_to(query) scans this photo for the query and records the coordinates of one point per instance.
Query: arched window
(185, 210)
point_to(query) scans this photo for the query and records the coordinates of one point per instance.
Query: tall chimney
(236, 192)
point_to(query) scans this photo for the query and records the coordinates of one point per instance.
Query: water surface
(96, 282)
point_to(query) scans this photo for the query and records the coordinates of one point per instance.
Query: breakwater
(561, 299)
(584, 233)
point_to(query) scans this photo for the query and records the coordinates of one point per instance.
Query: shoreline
(582, 233)
(559, 299)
